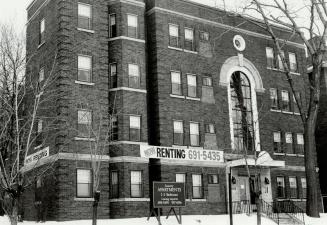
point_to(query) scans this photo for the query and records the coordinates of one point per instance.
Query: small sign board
(168, 194)
(37, 156)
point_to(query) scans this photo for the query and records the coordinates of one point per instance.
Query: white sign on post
(160, 152)
(37, 156)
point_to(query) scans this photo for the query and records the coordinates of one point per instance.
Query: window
(191, 86)
(134, 128)
(194, 134)
(213, 179)
(293, 63)
(41, 74)
(204, 36)
(39, 126)
(173, 35)
(136, 184)
(114, 184)
(84, 183)
(113, 75)
(300, 144)
(280, 187)
(270, 57)
(274, 99)
(209, 128)
(286, 101)
(84, 122)
(189, 39)
(133, 76)
(304, 187)
(197, 186)
(84, 68)
(277, 142)
(132, 26)
(113, 26)
(241, 103)
(207, 81)
(178, 138)
(280, 62)
(38, 187)
(84, 16)
(293, 187)
(296, 108)
(113, 128)
(289, 142)
(176, 84)
(180, 177)
(42, 29)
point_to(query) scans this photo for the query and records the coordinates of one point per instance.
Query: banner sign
(168, 194)
(37, 156)
(160, 152)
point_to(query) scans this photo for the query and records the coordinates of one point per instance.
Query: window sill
(275, 110)
(195, 147)
(295, 73)
(85, 30)
(189, 51)
(196, 200)
(174, 48)
(38, 147)
(177, 96)
(276, 153)
(293, 199)
(127, 89)
(194, 99)
(287, 112)
(40, 45)
(83, 139)
(84, 83)
(298, 114)
(84, 199)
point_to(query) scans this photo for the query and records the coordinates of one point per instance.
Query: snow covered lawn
(187, 220)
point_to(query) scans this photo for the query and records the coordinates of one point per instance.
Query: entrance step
(287, 219)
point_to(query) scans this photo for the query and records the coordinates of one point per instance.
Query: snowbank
(187, 220)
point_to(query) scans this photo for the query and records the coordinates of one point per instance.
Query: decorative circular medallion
(239, 43)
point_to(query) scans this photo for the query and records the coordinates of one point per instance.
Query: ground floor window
(136, 184)
(304, 187)
(84, 183)
(293, 187)
(114, 184)
(280, 187)
(197, 186)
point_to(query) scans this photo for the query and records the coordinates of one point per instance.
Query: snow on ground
(187, 220)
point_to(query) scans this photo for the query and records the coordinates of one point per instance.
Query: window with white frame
(213, 179)
(84, 183)
(204, 36)
(42, 31)
(84, 16)
(114, 191)
(300, 144)
(180, 177)
(112, 26)
(191, 86)
(293, 187)
(197, 191)
(304, 187)
(113, 75)
(84, 122)
(289, 143)
(281, 187)
(209, 128)
(293, 62)
(113, 128)
(133, 76)
(178, 135)
(277, 142)
(194, 134)
(176, 83)
(136, 184)
(207, 81)
(274, 99)
(189, 39)
(41, 74)
(270, 57)
(286, 101)
(84, 68)
(135, 128)
(174, 36)
(132, 24)
(280, 62)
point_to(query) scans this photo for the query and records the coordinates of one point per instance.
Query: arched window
(242, 112)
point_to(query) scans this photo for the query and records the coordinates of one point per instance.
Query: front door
(244, 188)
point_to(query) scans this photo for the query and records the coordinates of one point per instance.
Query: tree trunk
(258, 203)
(312, 208)
(14, 213)
(95, 207)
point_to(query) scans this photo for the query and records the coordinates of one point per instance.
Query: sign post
(168, 195)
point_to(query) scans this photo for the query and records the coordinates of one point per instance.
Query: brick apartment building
(187, 89)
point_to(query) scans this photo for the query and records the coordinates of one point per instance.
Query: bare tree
(22, 97)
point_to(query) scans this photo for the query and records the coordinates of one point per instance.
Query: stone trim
(291, 168)
(129, 200)
(247, 32)
(127, 38)
(131, 2)
(128, 159)
(36, 11)
(129, 142)
(128, 89)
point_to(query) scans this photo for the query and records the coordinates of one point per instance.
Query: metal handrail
(270, 211)
(291, 209)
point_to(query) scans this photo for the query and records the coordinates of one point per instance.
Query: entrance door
(244, 189)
